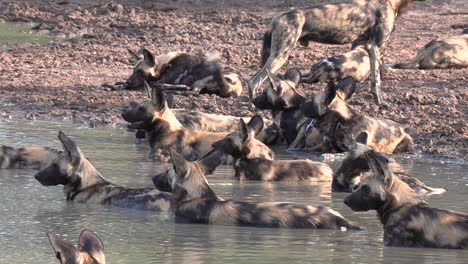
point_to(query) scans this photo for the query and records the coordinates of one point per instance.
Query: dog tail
(413, 64)
(266, 46)
(8, 157)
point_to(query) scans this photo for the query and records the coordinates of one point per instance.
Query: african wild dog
(84, 184)
(284, 101)
(340, 124)
(407, 219)
(194, 201)
(199, 121)
(163, 130)
(210, 162)
(440, 54)
(243, 143)
(184, 74)
(27, 157)
(371, 21)
(90, 249)
(348, 174)
(354, 63)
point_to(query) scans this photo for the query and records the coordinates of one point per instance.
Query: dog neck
(87, 177)
(340, 107)
(170, 118)
(398, 198)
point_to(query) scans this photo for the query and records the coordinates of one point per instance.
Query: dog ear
(330, 93)
(293, 75)
(211, 161)
(147, 88)
(255, 125)
(362, 138)
(64, 251)
(347, 86)
(149, 58)
(275, 83)
(71, 149)
(89, 242)
(244, 131)
(158, 98)
(133, 55)
(179, 163)
(379, 166)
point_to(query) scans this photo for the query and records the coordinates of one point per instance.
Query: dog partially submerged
(440, 54)
(184, 74)
(196, 202)
(340, 124)
(406, 218)
(26, 157)
(370, 21)
(348, 174)
(90, 249)
(83, 183)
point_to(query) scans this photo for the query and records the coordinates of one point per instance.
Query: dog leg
(285, 32)
(375, 73)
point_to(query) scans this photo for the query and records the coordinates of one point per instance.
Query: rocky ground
(64, 80)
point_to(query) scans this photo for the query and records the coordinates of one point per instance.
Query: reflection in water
(28, 210)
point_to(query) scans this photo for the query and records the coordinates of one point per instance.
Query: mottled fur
(196, 202)
(348, 174)
(84, 184)
(440, 54)
(26, 157)
(163, 130)
(354, 63)
(90, 249)
(340, 124)
(406, 218)
(371, 21)
(185, 74)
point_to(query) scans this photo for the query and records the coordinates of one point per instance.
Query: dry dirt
(64, 80)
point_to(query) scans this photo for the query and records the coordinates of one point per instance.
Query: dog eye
(365, 190)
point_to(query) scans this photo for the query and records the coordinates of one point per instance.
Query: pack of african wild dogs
(196, 143)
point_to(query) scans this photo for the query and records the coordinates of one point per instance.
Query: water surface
(28, 210)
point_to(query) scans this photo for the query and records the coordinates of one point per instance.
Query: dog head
(243, 142)
(282, 93)
(144, 70)
(149, 110)
(332, 99)
(90, 249)
(233, 84)
(373, 191)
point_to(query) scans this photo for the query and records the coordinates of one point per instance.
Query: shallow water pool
(28, 210)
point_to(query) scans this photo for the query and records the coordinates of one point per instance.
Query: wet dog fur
(84, 184)
(184, 74)
(340, 124)
(26, 157)
(408, 221)
(90, 249)
(440, 54)
(196, 202)
(341, 23)
(348, 174)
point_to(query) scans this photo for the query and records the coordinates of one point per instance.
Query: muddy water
(19, 33)
(28, 210)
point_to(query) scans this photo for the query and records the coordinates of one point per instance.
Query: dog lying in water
(348, 174)
(26, 157)
(90, 249)
(84, 184)
(195, 202)
(407, 219)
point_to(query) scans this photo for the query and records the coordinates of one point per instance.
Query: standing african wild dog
(27, 157)
(354, 63)
(440, 54)
(83, 183)
(199, 121)
(90, 249)
(371, 21)
(284, 101)
(243, 143)
(348, 174)
(163, 130)
(194, 201)
(340, 124)
(184, 74)
(407, 219)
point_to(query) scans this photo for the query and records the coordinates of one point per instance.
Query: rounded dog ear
(91, 243)
(244, 131)
(379, 166)
(255, 124)
(276, 84)
(158, 98)
(71, 149)
(147, 88)
(179, 163)
(134, 56)
(347, 86)
(330, 93)
(149, 58)
(64, 251)
(362, 138)
(293, 75)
